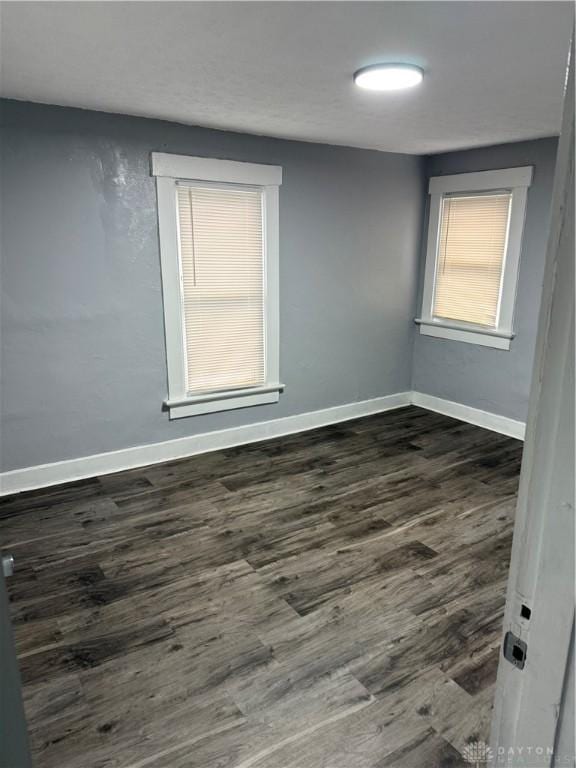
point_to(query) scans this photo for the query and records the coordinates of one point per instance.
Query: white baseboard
(480, 418)
(59, 472)
(44, 475)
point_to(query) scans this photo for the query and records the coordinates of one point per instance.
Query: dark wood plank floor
(331, 599)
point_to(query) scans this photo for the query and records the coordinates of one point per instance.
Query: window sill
(466, 333)
(197, 405)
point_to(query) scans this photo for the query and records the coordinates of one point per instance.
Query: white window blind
(220, 231)
(471, 252)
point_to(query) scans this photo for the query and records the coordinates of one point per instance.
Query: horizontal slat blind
(471, 251)
(221, 253)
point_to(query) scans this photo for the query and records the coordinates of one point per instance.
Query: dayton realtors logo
(477, 753)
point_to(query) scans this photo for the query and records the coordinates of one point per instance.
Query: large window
(219, 253)
(474, 240)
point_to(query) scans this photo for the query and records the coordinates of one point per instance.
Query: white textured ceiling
(494, 70)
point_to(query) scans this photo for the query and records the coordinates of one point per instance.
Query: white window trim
(516, 180)
(169, 170)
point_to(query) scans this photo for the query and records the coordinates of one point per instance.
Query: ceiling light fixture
(388, 77)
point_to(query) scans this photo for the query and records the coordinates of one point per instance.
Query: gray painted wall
(83, 359)
(494, 380)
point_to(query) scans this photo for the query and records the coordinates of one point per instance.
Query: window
(474, 238)
(218, 224)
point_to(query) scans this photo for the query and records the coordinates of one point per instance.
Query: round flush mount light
(388, 77)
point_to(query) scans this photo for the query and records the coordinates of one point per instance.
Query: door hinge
(515, 650)
(7, 565)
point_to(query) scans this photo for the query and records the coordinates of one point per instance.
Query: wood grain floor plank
(327, 599)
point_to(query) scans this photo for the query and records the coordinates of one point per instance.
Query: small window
(474, 238)
(219, 254)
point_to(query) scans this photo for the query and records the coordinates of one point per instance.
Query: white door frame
(528, 701)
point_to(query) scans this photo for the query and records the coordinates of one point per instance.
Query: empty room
(287, 384)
